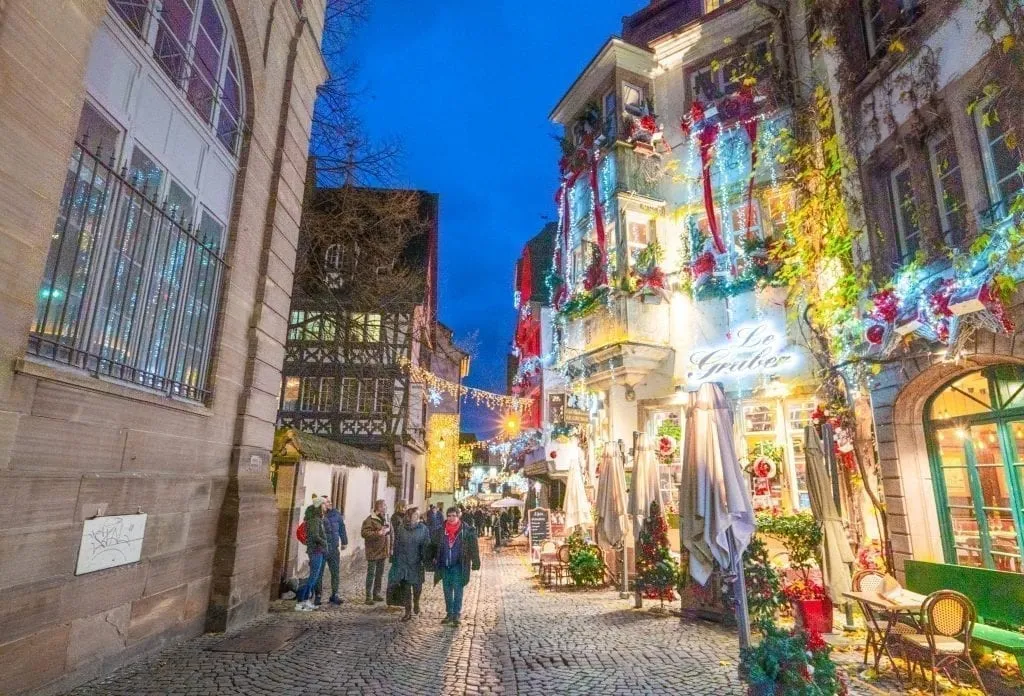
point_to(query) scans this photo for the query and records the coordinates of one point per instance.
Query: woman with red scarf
(457, 554)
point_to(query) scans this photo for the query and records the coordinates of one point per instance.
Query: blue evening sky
(467, 86)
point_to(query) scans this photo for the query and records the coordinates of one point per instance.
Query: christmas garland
(942, 302)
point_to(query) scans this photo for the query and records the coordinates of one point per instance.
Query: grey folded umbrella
(645, 487)
(716, 515)
(611, 500)
(836, 555)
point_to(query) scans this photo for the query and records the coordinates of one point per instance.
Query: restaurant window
(904, 212)
(949, 187)
(975, 436)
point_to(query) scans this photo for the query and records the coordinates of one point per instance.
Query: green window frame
(1004, 411)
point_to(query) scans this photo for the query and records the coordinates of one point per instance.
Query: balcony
(627, 337)
(637, 173)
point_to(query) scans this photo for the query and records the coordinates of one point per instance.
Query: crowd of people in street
(444, 543)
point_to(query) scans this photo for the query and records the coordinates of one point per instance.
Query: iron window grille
(130, 292)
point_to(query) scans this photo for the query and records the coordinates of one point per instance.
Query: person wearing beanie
(316, 545)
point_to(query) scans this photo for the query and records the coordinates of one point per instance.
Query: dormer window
(633, 100)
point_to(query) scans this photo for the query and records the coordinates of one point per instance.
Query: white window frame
(228, 48)
(898, 213)
(610, 112)
(939, 177)
(992, 184)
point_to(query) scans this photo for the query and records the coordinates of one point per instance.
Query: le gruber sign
(752, 349)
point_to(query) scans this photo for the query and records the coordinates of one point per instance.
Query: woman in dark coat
(412, 541)
(457, 554)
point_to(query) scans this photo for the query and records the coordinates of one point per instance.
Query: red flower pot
(813, 615)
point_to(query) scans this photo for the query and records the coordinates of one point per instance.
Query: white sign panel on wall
(754, 349)
(110, 541)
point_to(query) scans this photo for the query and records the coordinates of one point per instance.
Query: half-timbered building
(364, 299)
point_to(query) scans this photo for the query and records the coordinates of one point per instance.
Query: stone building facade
(143, 314)
(929, 107)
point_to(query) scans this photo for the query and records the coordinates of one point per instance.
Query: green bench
(997, 596)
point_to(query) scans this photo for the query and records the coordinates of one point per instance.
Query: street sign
(539, 525)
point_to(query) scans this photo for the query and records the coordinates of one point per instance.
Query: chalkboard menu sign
(540, 525)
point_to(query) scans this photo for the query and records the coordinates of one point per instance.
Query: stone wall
(72, 445)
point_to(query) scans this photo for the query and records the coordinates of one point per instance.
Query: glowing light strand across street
(460, 391)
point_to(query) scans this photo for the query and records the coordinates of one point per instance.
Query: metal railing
(129, 292)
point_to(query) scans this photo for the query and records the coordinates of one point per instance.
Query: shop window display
(975, 429)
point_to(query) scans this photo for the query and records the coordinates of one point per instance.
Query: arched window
(190, 42)
(134, 274)
(975, 429)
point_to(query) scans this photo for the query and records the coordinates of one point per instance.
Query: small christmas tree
(656, 571)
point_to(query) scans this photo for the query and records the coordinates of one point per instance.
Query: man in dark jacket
(457, 554)
(375, 534)
(316, 544)
(337, 540)
(410, 553)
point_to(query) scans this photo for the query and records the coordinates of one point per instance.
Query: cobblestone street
(514, 639)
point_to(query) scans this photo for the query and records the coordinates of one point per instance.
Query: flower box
(908, 321)
(967, 301)
(813, 615)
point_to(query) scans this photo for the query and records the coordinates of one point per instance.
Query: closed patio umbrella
(645, 487)
(836, 555)
(611, 499)
(717, 518)
(577, 507)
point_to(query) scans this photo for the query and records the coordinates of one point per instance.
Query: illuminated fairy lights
(460, 391)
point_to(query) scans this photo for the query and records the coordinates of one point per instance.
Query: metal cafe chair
(947, 619)
(562, 567)
(883, 630)
(548, 559)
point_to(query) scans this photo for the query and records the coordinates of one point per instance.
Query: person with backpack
(311, 533)
(457, 553)
(337, 540)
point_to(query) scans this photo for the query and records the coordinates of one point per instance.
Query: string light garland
(460, 391)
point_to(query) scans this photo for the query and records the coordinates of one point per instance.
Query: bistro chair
(562, 567)
(883, 630)
(548, 558)
(947, 619)
(871, 581)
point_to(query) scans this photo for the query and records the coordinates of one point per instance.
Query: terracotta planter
(814, 615)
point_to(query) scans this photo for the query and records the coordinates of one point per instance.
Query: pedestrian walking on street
(316, 545)
(457, 554)
(478, 520)
(375, 535)
(412, 544)
(337, 540)
(396, 522)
